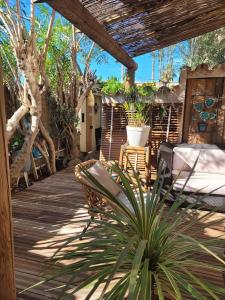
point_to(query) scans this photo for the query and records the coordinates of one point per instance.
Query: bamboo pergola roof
(135, 27)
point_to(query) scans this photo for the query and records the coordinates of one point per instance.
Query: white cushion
(123, 199)
(200, 182)
(104, 178)
(211, 159)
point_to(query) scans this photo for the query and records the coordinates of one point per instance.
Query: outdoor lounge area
(48, 220)
(112, 149)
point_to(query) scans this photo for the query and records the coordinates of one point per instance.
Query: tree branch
(48, 36)
(20, 30)
(13, 122)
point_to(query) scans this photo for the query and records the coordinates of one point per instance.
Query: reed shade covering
(144, 25)
(160, 131)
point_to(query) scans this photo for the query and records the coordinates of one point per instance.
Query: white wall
(96, 120)
(82, 128)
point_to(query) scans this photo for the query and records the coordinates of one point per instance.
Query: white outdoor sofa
(205, 163)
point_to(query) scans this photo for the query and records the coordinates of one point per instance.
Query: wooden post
(130, 78)
(7, 279)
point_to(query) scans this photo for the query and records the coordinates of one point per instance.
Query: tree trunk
(51, 147)
(74, 144)
(21, 159)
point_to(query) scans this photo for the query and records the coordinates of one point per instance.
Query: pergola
(125, 29)
(128, 28)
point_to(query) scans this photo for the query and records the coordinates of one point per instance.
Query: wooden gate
(204, 111)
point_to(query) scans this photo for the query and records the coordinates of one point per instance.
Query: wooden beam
(7, 279)
(78, 15)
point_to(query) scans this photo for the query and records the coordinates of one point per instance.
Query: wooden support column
(7, 279)
(130, 78)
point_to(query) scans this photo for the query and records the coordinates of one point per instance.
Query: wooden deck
(45, 213)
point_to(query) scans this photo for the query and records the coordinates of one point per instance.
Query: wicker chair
(95, 199)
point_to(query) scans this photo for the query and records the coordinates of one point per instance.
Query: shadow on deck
(45, 213)
(48, 212)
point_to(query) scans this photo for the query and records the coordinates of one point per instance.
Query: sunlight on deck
(44, 215)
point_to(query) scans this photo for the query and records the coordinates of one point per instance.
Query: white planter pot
(137, 136)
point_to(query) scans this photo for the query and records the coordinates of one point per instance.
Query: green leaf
(172, 281)
(136, 267)
(159, 287)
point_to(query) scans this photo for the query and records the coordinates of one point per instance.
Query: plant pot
(60, 163)
(137, 136)
(202, 126)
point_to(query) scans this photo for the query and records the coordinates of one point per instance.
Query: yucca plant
(148, 251)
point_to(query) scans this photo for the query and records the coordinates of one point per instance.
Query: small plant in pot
(137, 113)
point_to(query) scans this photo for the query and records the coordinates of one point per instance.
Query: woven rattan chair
(95, 200)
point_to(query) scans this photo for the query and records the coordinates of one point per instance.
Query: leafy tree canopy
(208, 48)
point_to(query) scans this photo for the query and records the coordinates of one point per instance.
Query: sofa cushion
(123, 199)
(104, 178)
(211, 159)
(200, 182)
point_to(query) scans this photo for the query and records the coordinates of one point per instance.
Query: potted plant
(148, 252)
(137, 111)
(136, 102)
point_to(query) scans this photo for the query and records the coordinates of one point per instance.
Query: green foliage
(62, 116)
(60, 60)
(16, 142)
(137, 105)
(137, 113)
(147, 90)
(113, 87)
(131, 94)
(8, 57)
(147, 249)
(208, 48)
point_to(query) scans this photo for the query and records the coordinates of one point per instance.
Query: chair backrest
(99, 171)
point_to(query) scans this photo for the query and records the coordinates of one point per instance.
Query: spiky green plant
(148, 252)
(137, 113)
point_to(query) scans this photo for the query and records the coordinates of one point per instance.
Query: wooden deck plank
(49, 211)
(45, 213)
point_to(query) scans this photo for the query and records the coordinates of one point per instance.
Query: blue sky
(143, 73)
